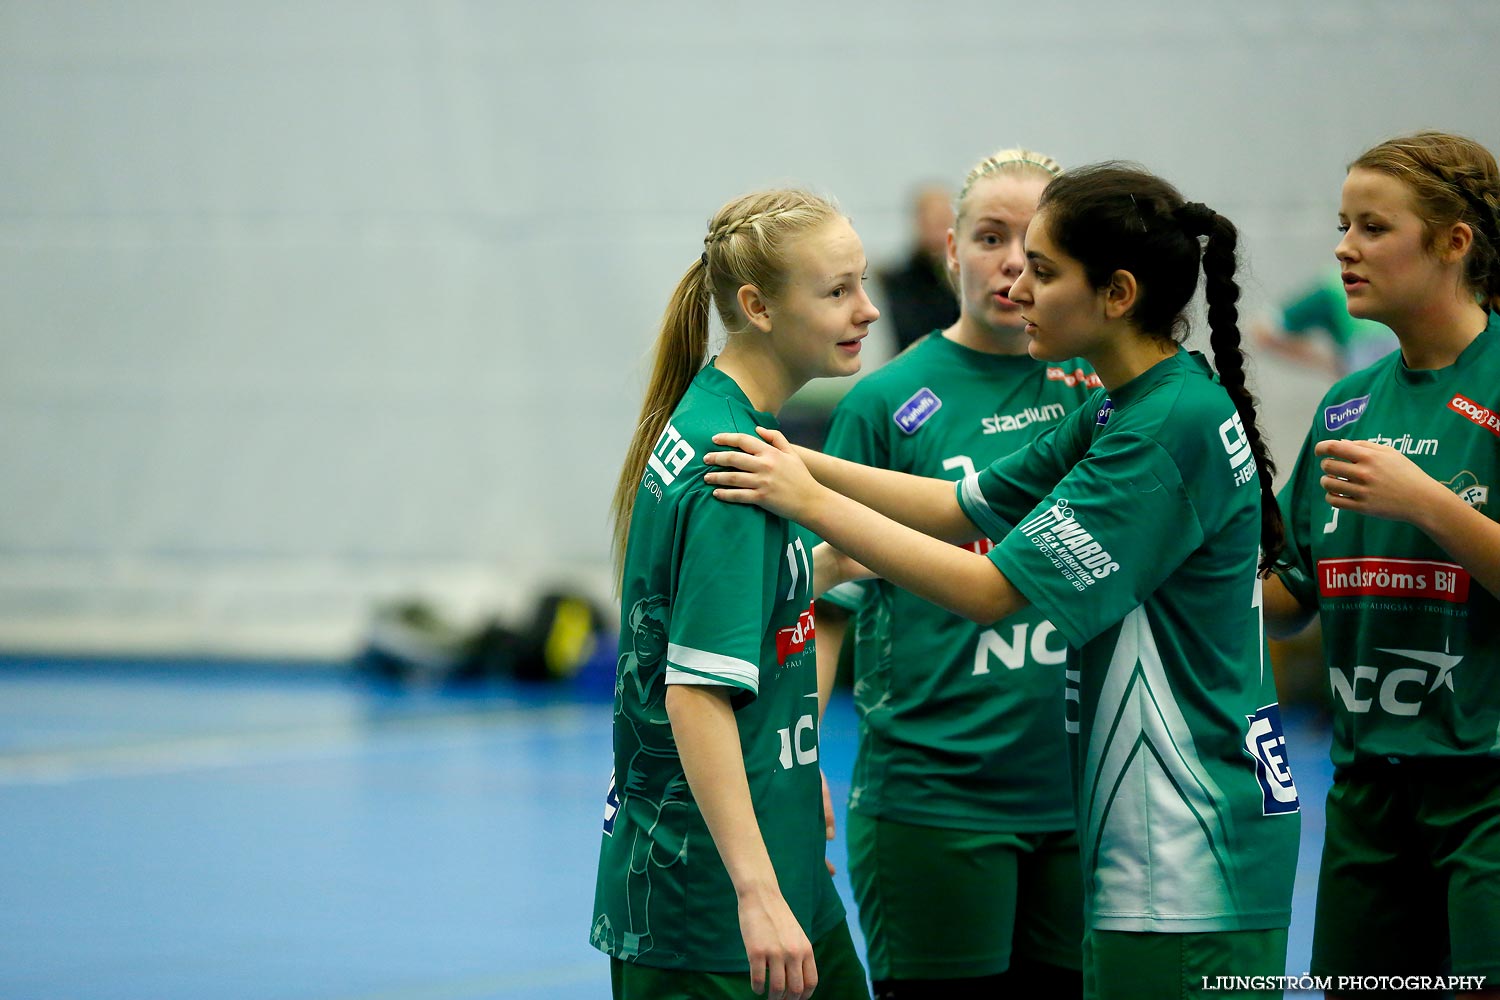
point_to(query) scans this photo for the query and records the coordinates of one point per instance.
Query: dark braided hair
(1116, 217)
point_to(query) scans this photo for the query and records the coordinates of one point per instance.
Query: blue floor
(183, 831)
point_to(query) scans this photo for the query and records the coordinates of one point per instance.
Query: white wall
(307, 303)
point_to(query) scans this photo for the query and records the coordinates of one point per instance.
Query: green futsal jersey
(961, 726)
(1137, 525)
(713, 593)
(1412, 644)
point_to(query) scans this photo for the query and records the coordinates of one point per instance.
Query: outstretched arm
(929, 505)
(708, 742)
(770, 474)
(1378, 480)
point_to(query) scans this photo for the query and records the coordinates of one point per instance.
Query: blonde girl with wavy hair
(712, 877)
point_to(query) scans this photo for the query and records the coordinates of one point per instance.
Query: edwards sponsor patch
(916, 411)
(1345, 413)
(1410, 578)
(1075, 553)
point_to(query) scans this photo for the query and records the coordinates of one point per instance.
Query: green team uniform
(961, 727)
(713, 593)
(1412, 648)
(1137, 521)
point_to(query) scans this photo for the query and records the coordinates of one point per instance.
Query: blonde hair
(1016, 162)
(1452, 179)
(746, 244)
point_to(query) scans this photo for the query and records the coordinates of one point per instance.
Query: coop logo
(793, 639)
(1102, 416)
(917, 411)
(1400, 691)
(1341, 414)
(1481, 415)
(1075, 377)
(670, 456)
(611, 806)
(1266, 743)
(1418, 579)
(1075, 553)
(1003, 422)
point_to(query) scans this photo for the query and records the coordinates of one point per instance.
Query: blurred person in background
(1315, 330)
(916, 293)
(961, 790)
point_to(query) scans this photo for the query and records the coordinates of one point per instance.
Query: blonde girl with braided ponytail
(712, 878)
(1138, 526)
(1392, 541)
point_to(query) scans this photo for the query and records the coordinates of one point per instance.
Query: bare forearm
(962, 581)
(833, 624)
(708, 744)
(928, 505)
(1472, 539)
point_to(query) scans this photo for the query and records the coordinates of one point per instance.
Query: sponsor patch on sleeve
(915, 412)
(1266, 743)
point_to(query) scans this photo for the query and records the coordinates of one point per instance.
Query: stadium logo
(917, 411)
(1341, 414)
(1002, 422)
(1266, 743)
(1408, 445)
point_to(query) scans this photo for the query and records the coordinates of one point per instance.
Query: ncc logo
(1265, 742)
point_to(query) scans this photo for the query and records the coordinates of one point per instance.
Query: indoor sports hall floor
(221, 831)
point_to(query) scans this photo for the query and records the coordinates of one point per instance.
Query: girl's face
(823, 313)
(987, 247)
(1389, 270)
(1064, 314)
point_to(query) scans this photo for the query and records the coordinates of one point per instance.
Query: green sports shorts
(1410, 877)
(1125, 965)
(939, 903)
(840, 976)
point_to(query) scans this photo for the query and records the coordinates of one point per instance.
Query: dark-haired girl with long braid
(1139, 526)
(1392, 540)
(712, 879)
